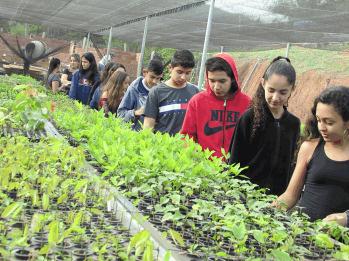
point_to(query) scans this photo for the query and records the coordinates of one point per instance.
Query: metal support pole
(222, 49)
(83, 43)
(140, 63)
(87, 44)
(287, 49)
(152, 55)
(125, 47)
(204, 51)
(109, 43)
(25, 30)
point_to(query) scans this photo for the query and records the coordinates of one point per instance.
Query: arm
(127, 108)
(151, 110)
(149, 123)
(341, 218)
(55, 86)
(291, 196)
(95, 99)
(189, 126)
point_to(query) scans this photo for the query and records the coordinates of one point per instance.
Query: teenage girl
(323, 160)
(113, 91)
(53, 81)
(84, 79)
(266, 135)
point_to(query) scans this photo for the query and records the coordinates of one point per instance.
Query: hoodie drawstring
(224, 116)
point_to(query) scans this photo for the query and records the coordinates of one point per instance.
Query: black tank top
(326, 188)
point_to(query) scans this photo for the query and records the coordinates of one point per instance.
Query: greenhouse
(80, 182)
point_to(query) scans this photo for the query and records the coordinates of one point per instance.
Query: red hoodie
(211, 121)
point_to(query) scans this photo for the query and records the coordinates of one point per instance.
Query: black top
(326, 188)
(270, 155)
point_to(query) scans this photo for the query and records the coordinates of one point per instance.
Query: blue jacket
(134, 98)
(79, 90)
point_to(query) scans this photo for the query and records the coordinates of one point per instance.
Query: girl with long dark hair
(84, 79)
(266, 135)
(53, 81)
(323, 160)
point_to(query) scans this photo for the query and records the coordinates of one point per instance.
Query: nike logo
(210, 131)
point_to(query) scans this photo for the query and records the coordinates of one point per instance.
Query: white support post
(140, 62)
(87, 44)
(222, 49)
(204, 51)
(287, 49)
(109, 43)
(83, 43)
(152, 55)
(25, 30)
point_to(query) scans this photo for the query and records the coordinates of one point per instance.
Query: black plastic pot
(21, 254)
(62, 255)
(38, 241)
(80, 254)
(12, 194)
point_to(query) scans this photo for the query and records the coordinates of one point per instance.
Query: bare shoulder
(307, 149)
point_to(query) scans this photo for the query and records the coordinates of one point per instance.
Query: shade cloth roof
(237, 24)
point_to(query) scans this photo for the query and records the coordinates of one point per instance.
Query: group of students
(259, 134)
(83, 81)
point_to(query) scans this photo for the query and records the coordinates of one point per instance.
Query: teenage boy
(167, 102)
(131, 108)
(212, 115)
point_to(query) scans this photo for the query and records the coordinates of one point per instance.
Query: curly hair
(336, 96)
(281, 66)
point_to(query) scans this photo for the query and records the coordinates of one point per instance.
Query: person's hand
(139, 112)
(277, 203)
(340, 218)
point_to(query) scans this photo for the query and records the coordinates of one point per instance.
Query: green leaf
(53, 234)
(44, 250)
(138, 241)
(77, 219)
(177, 238)
(45, 201)
(12, 210)
(239, 231)
(167, 256)
(62, 198)
(324, 241)
(279, 236)
(221, 254)
(260, 236)
(176, 199)
(281, 255)
(148, 252)
(167, 216)
(339, 255)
